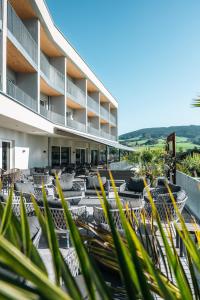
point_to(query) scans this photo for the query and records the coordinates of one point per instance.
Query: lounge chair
(132, 190)
(57, 213)
(100, 218)
(92, 185)
(163, 202)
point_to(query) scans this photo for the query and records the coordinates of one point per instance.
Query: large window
(60, 156)
(80, 156)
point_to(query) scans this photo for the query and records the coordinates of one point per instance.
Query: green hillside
(187, 137)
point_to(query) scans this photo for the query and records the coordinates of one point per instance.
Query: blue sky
(147, 53)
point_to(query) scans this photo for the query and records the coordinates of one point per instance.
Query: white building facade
(53, 109)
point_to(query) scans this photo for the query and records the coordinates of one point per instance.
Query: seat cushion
(69, 194)
(51, 203)
(92, 182)
(135, 184)
(129, 194)
(26, 187)
(91, 192)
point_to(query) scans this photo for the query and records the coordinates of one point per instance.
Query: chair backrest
(100, 218)
(40, 179)
(59, 218)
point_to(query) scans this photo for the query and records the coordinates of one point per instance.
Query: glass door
(65, 156)
(6, 148)
(94, 157)
(55, 156)
(80, 156)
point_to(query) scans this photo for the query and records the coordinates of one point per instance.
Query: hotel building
(53, 109)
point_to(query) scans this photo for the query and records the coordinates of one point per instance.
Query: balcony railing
(92, 105)
(105, 135)
(113, 119)
(113, 137)
(21, 33)
(1, 7)
(78, 95)
(76, 125)
(52, 115)
(18, 94)
(55, 77)
(104, 113)
(94, 131)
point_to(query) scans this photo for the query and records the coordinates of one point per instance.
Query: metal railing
(18, 94)
(55, 77)
(21, 33)
(94, 131)
(78, 95)
(113, 119)
(76, 125)
(104, 113)
(92, 105)
(52, 115)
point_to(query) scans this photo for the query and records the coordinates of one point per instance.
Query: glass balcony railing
(77, 94)
(1, 7)
(113, 137)
(94, 131)
(92, 105)
(105, 135)
(55, 78)
(21, 33)
(76, 125)
(104, 113)
(18, 94)
(113, 119)
(52, 115)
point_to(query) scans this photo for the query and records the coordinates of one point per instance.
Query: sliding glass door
(60, 156)
(5, 155)
(80, 156)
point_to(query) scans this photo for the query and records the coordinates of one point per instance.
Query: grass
(182, 144)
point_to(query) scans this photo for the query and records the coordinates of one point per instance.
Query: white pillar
(4, 45)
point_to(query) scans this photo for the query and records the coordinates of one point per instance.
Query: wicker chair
(101, 220)
(57, 213)
(42, 179)
(163, 202)
(16, 203)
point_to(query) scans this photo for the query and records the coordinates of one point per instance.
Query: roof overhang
(87, 137)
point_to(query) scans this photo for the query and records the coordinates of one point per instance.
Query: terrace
(80, 184)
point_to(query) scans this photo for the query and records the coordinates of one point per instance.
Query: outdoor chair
(132, 188)
(163, 202)
(92, 185)
(42, 179)
(129, 210)
(72, 190)
(16, 203)
(57, 213)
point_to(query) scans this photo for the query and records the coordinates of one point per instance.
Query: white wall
(27, 150)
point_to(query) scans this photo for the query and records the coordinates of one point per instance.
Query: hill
(188, 137)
